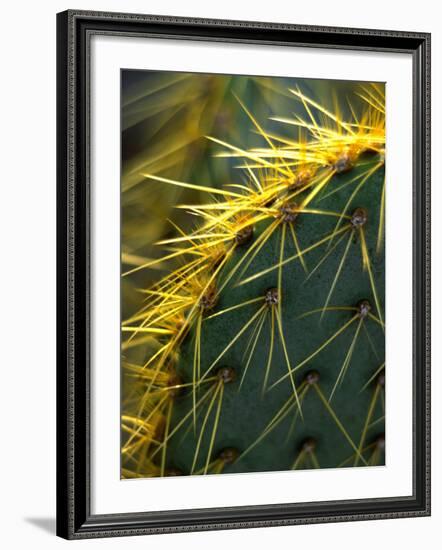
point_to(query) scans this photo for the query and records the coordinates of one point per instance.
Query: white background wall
(27, 290)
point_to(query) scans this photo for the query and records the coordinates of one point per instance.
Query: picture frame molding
(74, 31)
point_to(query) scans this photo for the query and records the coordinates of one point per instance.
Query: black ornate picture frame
(74, 32)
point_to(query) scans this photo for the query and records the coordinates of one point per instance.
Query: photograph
(243, 222)
(252, 273)
(219, 217)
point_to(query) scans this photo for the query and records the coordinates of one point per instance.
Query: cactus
(262, 348)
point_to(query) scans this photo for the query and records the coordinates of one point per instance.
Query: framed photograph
(243, 274)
